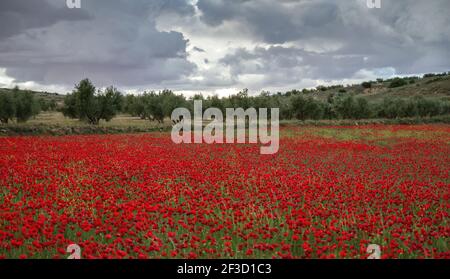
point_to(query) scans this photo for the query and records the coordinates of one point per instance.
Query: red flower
(171, 234)
(329, 191)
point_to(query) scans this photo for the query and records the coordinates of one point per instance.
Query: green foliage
(7, 107)
(154, 106)
(215, 102)
(70, 108)
(319, 103)
(392, 108)
(109, 102)
(133, 105)
(26, 106)
(414, 107)
(47, 105)
(366, 84)
(306, 108)
(428, 107)
(170, 101)
(433, 80)
(397, 82)
(18, 104)
(362, 109)
(296, 104)
(240, 100)
(345, 107)
(91, 107)
(436, 75)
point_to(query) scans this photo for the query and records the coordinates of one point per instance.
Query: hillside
(432, 87)
(437, 86)
(48, 96)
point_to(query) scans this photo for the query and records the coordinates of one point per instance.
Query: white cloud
(220, 46)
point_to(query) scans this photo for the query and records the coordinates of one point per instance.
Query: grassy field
(54, 123)
(57, 118)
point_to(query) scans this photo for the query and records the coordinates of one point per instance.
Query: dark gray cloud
(211, 44)
(332, 40)
(290, 20)
(111, 42)
(17, 16)
(273, 21)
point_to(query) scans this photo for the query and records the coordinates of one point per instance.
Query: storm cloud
(213, 45)
(111, 42)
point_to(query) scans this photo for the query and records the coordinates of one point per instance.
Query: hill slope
(434, 86)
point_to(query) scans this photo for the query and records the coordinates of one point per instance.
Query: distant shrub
(305, 108)
(397, 82)
(428, 107)
(366, 84)
(412, 107)
(26, 105)
(433, 80)
(86, 105)
(436, 75)
(18, 104)
(7, 107)
(47, 105)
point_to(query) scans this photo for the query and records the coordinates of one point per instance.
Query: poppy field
(328, 193)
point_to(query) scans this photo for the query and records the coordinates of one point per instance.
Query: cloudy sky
(218, 46)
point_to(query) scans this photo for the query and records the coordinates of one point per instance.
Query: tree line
(293, 105)
(22, 105)
(92, 105)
